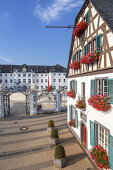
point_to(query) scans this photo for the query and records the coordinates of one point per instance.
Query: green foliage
(51, 123)
(54, 133)
(59, 152)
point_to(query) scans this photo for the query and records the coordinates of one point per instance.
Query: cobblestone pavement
(30, 149)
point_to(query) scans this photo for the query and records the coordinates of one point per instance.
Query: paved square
(30, 149)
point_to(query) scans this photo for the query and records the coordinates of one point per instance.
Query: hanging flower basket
(72, 123)
(99, 156)
(79, 29)
(100, 102)
(74, 65)
(90, 57)
(80, 104)
(71, 93)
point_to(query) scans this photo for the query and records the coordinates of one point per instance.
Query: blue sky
(23, 36)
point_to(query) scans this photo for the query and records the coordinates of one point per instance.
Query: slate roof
(32, 68)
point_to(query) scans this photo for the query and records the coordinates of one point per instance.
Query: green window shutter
(73, 58)
(79, 54)
(87, 17)
(110, 90)
(75, 86)
(70, 114)
(98, 43)
(92, 87)
(110, 147)
(85, 50)
(76, 119)
(92, 133)
(70, 85)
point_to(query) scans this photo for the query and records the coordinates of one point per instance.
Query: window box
(79, 29)
(81, 104)
(74, 65)
(71, 93)
(100, 102)
(72, 123)
(90, 57)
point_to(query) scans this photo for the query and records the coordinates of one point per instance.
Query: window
(0, 80)
(24, 75)
(59, 74)
(41, 87)
(41, 74)
(54, 74)
(37, 80)
(64, 80)
(87, 17)
(19, 75)
(64, 74)
(41, 80)
(33, 75)
(24, 80)
(59, 80)
(34, 81)
(10, 74)
(5, 74)
(98, 43)
(59, 87)
(29, 75)
(5, 80)
(73, 112)
(37, 87)
(37, 75)
(54, 87)
(29, 80)
(45, 74)
(11, 81)
(92, 46)
(0, 75)
(101, 86)
(55, 80)
(45, 80)
(19, 80)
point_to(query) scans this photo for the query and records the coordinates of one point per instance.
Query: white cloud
(6, 60)
(5, 15)
(53, 11)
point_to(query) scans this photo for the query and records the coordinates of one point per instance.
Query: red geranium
(71, 93)
(90, 57)
(99, 156)
(80, 27)
(72, 123)
(80, 104)
(100, 102)
(74, 65)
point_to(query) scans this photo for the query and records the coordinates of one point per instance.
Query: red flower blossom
(72, 123)
(90, 57)
(99, 155)
(71, 93)
(80, 104)
(74, 65)
(100, 102)
(80, 27)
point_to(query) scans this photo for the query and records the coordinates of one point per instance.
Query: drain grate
(24, 128)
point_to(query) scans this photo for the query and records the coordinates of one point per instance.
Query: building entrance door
(84, 135)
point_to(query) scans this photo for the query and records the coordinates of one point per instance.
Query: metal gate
(27, 103)
(6, 104)
(63, 100)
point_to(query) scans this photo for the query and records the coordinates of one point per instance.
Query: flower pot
(60, 163)
(54, 141)
(49, 129)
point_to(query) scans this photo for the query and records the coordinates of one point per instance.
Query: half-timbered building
(92, 48)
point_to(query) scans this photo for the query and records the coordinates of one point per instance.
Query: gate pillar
(1, 105)
(33, 103)
(58, 100)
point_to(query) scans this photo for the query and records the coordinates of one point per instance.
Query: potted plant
(100, 102)
(81, 104)
(50, 125)
(59, 157)
(79, 29)
(99, 156)
(71, 93)
(72, 123)
(75, 65)
(54, 138)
